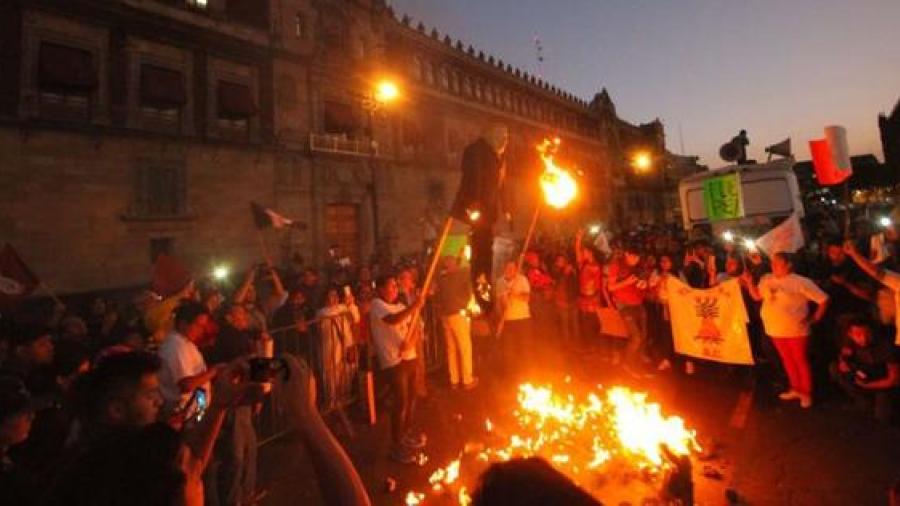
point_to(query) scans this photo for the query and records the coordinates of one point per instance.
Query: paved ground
(769, 452)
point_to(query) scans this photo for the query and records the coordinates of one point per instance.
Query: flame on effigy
(579, 435)
(557, 183)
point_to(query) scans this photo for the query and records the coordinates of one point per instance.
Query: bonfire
(613, 442)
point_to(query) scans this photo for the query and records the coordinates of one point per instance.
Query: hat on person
(14, 397)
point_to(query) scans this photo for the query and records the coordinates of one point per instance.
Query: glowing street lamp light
(885, 222)
(750, 244)
(642, 161)
(386, 91)
(728, 236)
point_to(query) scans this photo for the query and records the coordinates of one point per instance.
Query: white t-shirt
(388, 338)
(892, 280)
(517, 307)
(785, 304)
(180, 359)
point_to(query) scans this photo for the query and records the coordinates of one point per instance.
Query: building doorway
(342, 229)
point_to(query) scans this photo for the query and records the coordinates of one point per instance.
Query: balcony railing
(340, 144)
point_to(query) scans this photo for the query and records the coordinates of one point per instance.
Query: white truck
(769, 192)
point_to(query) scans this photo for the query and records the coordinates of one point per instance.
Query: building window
(160, 191)
(198, 4)
(445, 78)
(478, 90)
(417, 68)
(236, 106)
(66, 81)
(507, 99)
(298, 26)
(454, 82)
(162, 97)
(467, 86)
(339, 119)
(429, 73)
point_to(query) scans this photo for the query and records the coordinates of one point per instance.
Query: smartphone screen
(196, 405)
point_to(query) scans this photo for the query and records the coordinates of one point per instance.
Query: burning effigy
(613, 442)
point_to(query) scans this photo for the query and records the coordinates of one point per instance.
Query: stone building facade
(129, 128)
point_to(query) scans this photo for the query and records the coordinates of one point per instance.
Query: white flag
(709, 324)
(786, 237)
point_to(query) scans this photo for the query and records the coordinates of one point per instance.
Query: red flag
(169, 276)
(16, 279)
(827, 171)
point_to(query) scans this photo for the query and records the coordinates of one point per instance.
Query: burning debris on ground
(611, 441)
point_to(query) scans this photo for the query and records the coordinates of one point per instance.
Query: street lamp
(386, 91)
(642, 161)
(383, 92)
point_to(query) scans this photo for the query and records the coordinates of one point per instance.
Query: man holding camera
(236, 340)
(868, 368)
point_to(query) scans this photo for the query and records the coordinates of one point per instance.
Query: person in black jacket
(478, 203)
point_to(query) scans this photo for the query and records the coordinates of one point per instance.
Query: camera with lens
(264, 370)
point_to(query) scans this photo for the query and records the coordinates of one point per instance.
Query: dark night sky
(778, 68)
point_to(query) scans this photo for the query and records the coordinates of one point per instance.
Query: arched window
(478, 90)
(489, 94)
(467, 86)
(454, 81)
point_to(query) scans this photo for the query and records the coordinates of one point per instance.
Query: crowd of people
(153, 399)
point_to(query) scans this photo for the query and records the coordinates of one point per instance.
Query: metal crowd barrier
(340, 382)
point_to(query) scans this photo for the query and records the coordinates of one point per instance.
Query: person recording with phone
(125, 455)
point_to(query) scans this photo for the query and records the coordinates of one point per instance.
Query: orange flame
(576, 434)
(557, 184)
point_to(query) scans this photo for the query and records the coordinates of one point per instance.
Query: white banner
(786, 237)
(710, 324)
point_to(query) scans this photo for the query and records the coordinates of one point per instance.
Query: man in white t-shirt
(512, 294)
(785, 315)
(395, 348)
(888, 278)
(183, 368)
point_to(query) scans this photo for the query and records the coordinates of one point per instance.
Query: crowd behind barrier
(561, 300)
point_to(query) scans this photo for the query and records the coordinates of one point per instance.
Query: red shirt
(590, 281)
(629, 295)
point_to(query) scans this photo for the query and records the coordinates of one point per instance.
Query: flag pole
(432, 268)
(50, 292)
(521, 260)
(265, 249)
(847, 208)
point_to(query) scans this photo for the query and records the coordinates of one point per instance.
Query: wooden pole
(265, 249)
(429, 277)
(521, 260)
